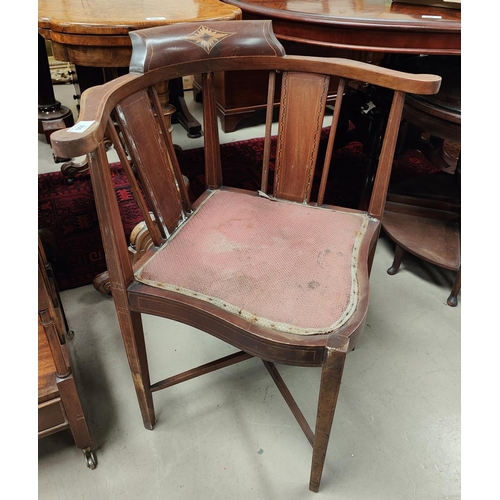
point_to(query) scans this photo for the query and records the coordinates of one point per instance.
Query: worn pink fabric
(286, 266)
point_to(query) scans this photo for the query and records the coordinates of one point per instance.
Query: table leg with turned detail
(94, 37)
(52, 115)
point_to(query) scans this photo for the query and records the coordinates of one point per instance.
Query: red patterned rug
(67, 215)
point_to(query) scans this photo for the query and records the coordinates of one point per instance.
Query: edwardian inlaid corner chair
(274, 273)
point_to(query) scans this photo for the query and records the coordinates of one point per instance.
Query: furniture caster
(90, 459)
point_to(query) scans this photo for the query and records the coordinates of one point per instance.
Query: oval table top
(95, 32)
(367, 25)
(115, 17)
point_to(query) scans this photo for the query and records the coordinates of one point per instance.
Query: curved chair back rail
(275, 273)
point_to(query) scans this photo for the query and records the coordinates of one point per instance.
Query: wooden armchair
(274, 273)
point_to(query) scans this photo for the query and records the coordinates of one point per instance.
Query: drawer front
(51, 417)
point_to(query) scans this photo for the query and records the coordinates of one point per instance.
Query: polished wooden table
(371, 25)
(94, 34)
(357, 29)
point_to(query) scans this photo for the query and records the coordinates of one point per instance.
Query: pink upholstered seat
(294, 271)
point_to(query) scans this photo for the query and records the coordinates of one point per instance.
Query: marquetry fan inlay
(207, 38)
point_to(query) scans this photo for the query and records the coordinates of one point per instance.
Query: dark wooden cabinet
(59, 404)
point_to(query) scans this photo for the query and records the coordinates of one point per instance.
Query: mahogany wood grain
(375, 26)
(331, 376)
(95, 33)
(432, 239)
(337, 28)
(94, 37)
(47, 388)
(297, 87)
(431, 235)
(201, 370)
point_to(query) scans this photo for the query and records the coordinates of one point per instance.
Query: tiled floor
(228, 435)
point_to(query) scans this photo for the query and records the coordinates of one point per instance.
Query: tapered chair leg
(331, 375)
(135, 347)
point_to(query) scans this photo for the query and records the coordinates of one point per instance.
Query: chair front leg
(331, 375)
(135, 347)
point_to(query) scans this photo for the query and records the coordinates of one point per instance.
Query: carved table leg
(182, 114)
(86, 77)
(71, 168)
(398, 258)
(140, 241)
(51, 114)
(453, 298)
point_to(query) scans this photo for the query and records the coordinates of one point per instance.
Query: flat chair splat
(146, 142)
(156, 234)
(302, 108)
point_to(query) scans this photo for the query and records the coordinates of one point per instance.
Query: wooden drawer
(51, 417)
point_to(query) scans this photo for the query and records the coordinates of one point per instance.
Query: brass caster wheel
(90, 459)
